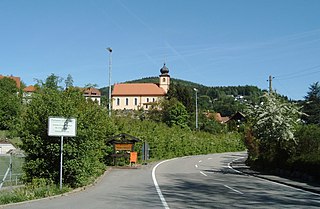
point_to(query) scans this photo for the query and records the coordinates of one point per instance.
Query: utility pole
(196, 90)
(270, 84)
(110, 65)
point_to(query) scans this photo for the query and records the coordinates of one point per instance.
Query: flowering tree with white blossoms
(273, 124)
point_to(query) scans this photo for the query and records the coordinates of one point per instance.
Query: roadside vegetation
(281, 138)
(168, 142)
(168, 127)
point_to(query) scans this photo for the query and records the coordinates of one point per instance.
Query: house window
(164, 80)
(147, 99)
(135, 101)
(127, 101)
(118, 101)
(153, 99)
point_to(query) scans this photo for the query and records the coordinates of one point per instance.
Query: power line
(299, 73)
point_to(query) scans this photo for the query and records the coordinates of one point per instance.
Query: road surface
(205, 181)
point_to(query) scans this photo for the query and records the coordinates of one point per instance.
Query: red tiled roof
(16, 79)
(30, 89)
(92, 92)
(137, 89)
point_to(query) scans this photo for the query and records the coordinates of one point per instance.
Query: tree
(83, 155)
(273, 124)
(311, 105)
(10, 103)
(68, 81)
(175, 113)
(51, 82)
(183, 94)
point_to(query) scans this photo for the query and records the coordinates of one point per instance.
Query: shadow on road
(225, 188)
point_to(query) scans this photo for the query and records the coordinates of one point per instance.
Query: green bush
(168, 142)
(10, 103)
(307, 156)
(83, 158)
(272, 125)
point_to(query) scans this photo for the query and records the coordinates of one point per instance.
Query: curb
(277, 179)
(309, 189)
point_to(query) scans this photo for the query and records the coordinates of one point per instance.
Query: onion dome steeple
(164, 69)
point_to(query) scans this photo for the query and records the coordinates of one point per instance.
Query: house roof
(217, 117)
(92, 92)
(123, 138)
(137, 89)
(30, 89)
(238, 116)
(16, 79)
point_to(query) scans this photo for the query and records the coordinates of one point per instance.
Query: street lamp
(110, 64)
(196, 90)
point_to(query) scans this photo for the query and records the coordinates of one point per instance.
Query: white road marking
(209, 158)
(229, 166)
(163, 200)
(233, 189)
(196, 166)
(203, 173)
(200, 161)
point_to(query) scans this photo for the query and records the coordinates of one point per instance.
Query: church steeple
(164, 69)
(164, 78)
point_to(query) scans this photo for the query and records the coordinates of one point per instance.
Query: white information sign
(58, 126)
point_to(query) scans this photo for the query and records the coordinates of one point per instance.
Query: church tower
(164, 78)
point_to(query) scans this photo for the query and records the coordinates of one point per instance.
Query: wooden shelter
(123, 145)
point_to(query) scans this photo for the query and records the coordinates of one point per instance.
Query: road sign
(59, 126)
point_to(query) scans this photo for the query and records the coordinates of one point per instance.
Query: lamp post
(196, 90)
(110, 64)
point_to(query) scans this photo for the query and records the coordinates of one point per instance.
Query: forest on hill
(226, 100)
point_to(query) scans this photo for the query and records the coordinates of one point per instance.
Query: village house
(27, 93)
(5, 147)
(93, 94)
(135, 96)
(16, 79)
(89, 93)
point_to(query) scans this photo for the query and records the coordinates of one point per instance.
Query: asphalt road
(208, 182)
(190, 182)
(118, 189)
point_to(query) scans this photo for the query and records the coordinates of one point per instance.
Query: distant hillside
(226, 100)
(213, 92)
(105, 90)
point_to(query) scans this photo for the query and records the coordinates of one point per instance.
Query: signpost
(59, 126)
(145, 151)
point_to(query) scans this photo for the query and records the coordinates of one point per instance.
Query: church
(135, 96)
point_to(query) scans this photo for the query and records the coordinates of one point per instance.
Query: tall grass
(38, 188)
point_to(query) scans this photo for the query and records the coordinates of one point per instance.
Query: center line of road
(196, 166)
(203, 173)
(233, 189)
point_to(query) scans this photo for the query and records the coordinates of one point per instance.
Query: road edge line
(155, 182)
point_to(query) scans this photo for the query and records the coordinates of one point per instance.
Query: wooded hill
(224, 99)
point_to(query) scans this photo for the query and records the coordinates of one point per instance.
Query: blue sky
(211, 42)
